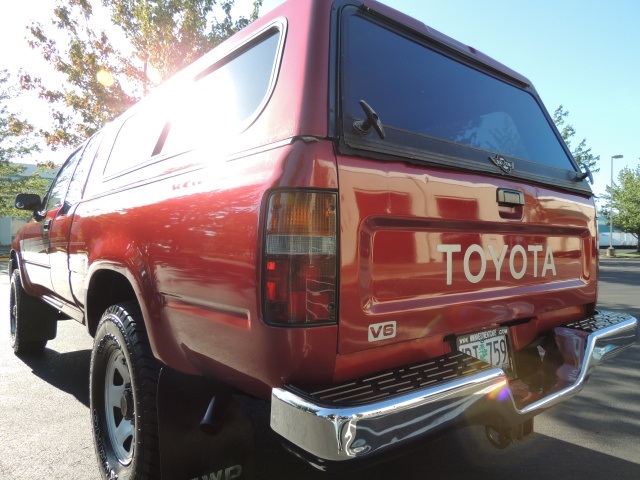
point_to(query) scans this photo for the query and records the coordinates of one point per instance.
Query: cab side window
(59, 186)
(78, 180)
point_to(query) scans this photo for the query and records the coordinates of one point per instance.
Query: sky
(582, 54)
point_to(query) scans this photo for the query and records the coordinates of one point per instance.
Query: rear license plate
(491, 346)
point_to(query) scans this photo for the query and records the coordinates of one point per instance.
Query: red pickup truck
(340, 211)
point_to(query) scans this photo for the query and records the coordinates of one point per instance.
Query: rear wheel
(123, 384)
(32, 321)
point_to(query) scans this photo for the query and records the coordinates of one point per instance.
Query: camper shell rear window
(438, 106)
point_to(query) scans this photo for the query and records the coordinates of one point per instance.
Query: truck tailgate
(431, 252)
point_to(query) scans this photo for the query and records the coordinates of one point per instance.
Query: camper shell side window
(208, 110)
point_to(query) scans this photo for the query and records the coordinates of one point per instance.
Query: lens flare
(105, 78)
(501, 395)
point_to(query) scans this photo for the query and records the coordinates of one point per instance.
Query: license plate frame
(487, 346)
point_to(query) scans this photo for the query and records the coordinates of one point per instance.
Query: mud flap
(186, 453)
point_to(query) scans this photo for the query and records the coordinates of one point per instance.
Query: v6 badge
(382, 331)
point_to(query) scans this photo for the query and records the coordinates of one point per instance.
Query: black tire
(33, 322)
(123, 385)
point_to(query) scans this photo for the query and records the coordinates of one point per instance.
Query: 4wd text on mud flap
(226, 474)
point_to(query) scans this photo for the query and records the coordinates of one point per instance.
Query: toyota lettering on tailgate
(516, 255)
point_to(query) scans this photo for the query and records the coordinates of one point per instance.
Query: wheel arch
(107, 287)
(16, 264)
(13, 261)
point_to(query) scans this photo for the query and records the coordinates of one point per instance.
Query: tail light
(299, 270)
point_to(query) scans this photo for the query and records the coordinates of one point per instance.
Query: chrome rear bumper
(373, 414)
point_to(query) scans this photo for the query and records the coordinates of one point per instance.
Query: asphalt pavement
(45, 430)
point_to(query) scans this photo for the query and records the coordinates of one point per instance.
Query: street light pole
(611, 252)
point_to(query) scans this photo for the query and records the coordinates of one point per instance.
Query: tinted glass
(79, 178)
(60, 184)
(135, 141)
(417, 89)
(221, 102)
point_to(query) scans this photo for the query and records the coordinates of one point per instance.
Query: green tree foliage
(157, 39)
(13, 181)
(581, 153)
(624, 198)
(14, 140)
(171, 34)
(15, 143)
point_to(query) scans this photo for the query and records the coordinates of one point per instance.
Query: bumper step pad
(599, 321)
(399, 380)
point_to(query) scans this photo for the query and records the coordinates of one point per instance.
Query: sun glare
(105, 78)
(153, 74)
(205, 112)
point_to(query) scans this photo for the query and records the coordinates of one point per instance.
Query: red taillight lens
(300, 271)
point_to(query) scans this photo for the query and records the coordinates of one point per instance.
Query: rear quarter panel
(189, 240)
